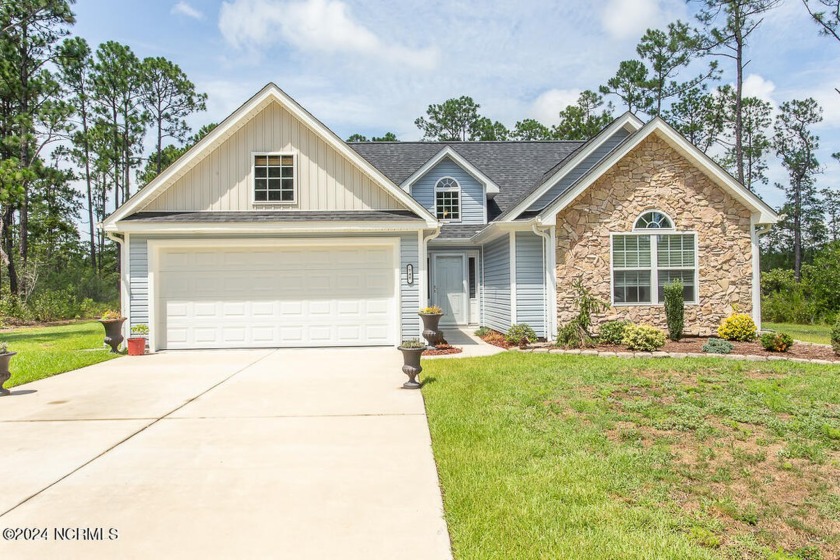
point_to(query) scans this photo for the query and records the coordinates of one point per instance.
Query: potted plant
(137, 340)
(5, 358)
(431, 319)
(113, 322)
(411, 350)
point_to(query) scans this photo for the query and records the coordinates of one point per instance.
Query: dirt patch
(497, 339)
(442, 350)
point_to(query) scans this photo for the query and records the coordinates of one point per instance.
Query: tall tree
(630, 84)
(666, 53)
(530, 129)
(584, 119)
(34, 115)
(168, 97)
(829, 19)
(729, 23)
(387, 137)
(699, 116)
(831, 210)
(755, 143)
(75, 65)
(170, 154)
(488, 130)
(452, 120)
(796, 147)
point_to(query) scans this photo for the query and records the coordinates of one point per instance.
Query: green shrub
(738, 326)
(612, 332)
(520, 335)
(835, 337)
(643, 338)
(54, 305)
(575, 334)
(412, 343)
(674, 309)
(776, 342)
(141, 329)
(718, 346)
(482, 332)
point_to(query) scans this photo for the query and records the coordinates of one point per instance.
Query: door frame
(465, 255)
(155, 246)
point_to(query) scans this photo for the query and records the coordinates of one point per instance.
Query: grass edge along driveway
(46, 351)
(550, 456)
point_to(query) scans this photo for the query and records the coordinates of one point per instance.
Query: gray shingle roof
(516, 167)
(459, 231)
(275, 216)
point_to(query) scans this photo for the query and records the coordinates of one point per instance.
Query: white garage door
(269, 296)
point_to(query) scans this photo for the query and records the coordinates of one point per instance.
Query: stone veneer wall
(654, 176)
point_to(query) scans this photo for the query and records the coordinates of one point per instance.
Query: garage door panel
(273, 296)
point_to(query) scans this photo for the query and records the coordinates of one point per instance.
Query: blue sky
(375, 65)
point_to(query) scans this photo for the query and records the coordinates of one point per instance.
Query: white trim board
(268, 94)
(673, 138)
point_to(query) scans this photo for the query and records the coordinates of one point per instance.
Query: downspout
(124, 297)
(424, 266)
(548, 268)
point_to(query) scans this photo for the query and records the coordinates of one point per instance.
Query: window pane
(260, 160)
(675, 250)
(259, 184)
(288, 196)
(288, 160)
(273, 171)
(259, 171)
(288, 172)
(631, 286)
(471, 270)
(260, 196)
(687, 278)
(274, 184)
(631, 251)
(289, 185)
(274, 160)
(274, 196)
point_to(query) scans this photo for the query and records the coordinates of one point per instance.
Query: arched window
(448, 200)
(654, 219)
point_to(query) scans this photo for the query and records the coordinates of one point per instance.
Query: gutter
(549, 279)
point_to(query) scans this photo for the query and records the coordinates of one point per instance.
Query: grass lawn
(809, 333)
(550, 456)
(46, 351)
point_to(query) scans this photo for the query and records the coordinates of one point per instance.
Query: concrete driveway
(221, 454)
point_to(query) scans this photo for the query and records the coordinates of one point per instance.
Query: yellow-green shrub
(738, 326)
(643, 338)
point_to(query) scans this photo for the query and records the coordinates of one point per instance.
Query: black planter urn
(4, 371)
(411, 366)
(431, 331)
(113, 333)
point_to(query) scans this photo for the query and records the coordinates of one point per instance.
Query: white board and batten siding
(472, 191)
(531, 298)
(333, 300)
(223, 180)
(497, 293)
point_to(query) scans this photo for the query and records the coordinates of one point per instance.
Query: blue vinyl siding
(580, 170)
(497, 304)
(530, 281)
(409, 295)
(472, 191)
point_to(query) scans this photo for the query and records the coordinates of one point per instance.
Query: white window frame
(253, 180)
(457, 189)
(654, 266)
(650, 210)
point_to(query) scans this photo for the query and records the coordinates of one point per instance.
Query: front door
(449, 288)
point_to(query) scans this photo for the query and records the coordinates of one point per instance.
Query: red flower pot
(136, 346)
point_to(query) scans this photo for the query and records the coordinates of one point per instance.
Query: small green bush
(111, 315)
(835, 337)
(612, 332)
(482, 332)
(520, 335)
(412, 343)
(738, 326)
(674, 309)
(4, 348)
(643, 338)
(141, 329)
(776, 342)
(718, 346)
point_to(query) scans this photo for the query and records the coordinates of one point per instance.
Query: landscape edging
(629, 354)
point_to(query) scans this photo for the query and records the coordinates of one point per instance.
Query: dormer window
(448, 200)
(274, 179)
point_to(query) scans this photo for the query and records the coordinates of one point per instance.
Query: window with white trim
(645, 259)
(274, 179)
(448, 200)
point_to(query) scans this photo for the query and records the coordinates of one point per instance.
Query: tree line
(70, 115)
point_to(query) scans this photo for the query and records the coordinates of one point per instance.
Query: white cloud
(185, 9)
(324, 26)
(757, 86)
(547, 106)
(629, 19)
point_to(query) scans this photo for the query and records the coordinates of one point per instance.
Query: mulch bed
(439, 351)
(694, 345)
